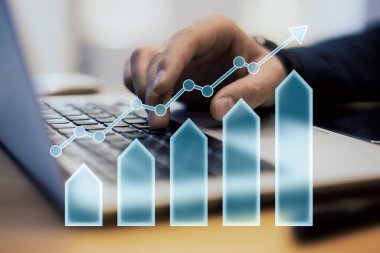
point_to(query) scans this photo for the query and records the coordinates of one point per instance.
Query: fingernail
(223, 105)
(159, 78)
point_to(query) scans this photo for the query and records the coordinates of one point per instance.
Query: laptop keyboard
(102, 157)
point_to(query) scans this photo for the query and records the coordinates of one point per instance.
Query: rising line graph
(297, 33)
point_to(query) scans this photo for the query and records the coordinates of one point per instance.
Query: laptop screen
(21, 130)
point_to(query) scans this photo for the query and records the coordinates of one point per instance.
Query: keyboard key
(115, 138)
(111, 110)
(121, 145)
(109, 119)
(88, 108)
(51, 116)
(78, 117)
(136, 121)
(94, 127)
(134, 135)
(71, 113)
(131, 116)
(141, 126)
(57, 121)
(62, 108)
(125, 129)
(66, 131)
(98, 115)
(122, 124)
(63, 126)
(86, 122)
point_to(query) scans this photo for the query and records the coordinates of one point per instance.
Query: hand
(203, 52)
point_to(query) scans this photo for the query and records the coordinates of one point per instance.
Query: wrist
(288, 61)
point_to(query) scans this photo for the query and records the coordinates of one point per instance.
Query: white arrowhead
(298, 32)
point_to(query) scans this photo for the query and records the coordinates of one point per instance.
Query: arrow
(297, 33)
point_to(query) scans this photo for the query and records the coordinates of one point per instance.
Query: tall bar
(83, 199)
(241, 166)
(136, 186)
(188, 177)
(294, 152)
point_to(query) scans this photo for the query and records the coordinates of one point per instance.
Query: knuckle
(163, 62)
(156, 58)
(137, 54)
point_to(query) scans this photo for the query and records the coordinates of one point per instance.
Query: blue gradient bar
(136, 186)
(188, 176)
(83, 199)
(294, 152)
(241, 166)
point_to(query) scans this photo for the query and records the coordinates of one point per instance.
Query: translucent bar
(83, 199)
(136, 186)
(188, 177)
(241, 166)
(294, 147)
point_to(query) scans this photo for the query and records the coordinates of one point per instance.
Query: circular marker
(160, 110)
(207, 91)
(79, 131)
(136, 104)
(253, 68)
(55, 151)
(188, 85)
(239, 62)
(99, 136)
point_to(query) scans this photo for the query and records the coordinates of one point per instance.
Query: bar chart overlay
(188, 177)
(241, 166)
(83, 199)
(294, 147)
(136, 186)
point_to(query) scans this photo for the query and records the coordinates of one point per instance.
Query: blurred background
(96, 36)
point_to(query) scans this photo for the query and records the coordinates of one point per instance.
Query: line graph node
(160, 110)
(55, 151)
(136, 104)
(79, 132)
(99, 136)
(188, 85)
(253, 68)
(207, 91)
(239, 62)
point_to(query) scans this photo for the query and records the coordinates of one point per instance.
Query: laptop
(31, 125)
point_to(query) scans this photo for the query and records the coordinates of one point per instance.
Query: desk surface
(28, 223)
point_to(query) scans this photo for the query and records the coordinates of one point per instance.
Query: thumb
(249, 88)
